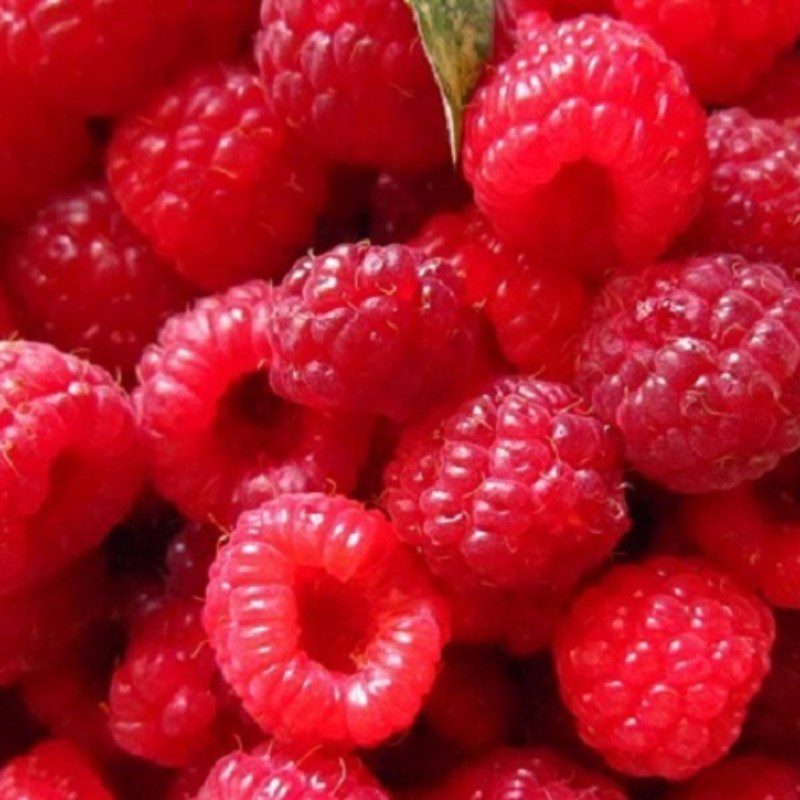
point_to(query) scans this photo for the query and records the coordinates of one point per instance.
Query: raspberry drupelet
(382, 330)
(86, 281)
(220, 440)
(697, 363)
(52, 770)
(352, 77)
(328, 630)
(658, 662)
(71, 461)
(215, 180)
(519, 487)
(586, 146)
(723, 45)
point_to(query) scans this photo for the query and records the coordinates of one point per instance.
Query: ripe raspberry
(214, 180)
(85, 280)
(754, 200)
(327, 629)
(586, 146)
(537, 312)
(533, 774)
(698, 364)
(8, 325)
(382, 330)
(743, 778)
(71, 463)
(353, 78)
(221, 441)
(53, 770)
(723, 45)
(777, 95)
(658, 662)
(560, 9)
(189, 557)
(520, 487)
(278, 772)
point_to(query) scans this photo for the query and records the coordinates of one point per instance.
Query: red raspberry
(743, 778)
(586, 146)
(214, 180)
(533, 774)
(560, 9)
(754, 201)
(382, 330)
(85, 280)
(698, 364)
(777, 95)
(327, 629)
(277, 772)
(53, 770)
(723, 45)
(353, 78)
(537, 312)
(189, 557)
(221, 441)
(71, 462)
(658, 662)
(8, 324)
(519, 487)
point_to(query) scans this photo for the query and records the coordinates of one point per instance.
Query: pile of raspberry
(333, 468)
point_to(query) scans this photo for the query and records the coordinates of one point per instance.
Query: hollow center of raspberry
(334, 619)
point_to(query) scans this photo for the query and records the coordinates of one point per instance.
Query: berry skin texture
(754, 199)
(53, 770)
(278, 772)
(72, 462)
(352, 77)
(658, 662)
(723, 45)
(777, 95)
(220, 440)
(214, 179)
(519, 487)
(697, 363)
(381, 330)
(327, 629)
(605, 166)
(87, 282)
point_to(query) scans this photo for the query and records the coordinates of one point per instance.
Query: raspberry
(560, 9)
(326, 628)
(352, 77)
(53, 770)
(777, 95)
(586, 146)
(71, 464)
(277, 772)
(698, 364)
(743, 778)
(86, 281)
(8, 325)
(723, 45)
(754, 199)
(530, 773)
(658, 662)
(537, 312)
(214, 180)
(519, 487)
(382, 330)
(221, 441)
(189, 557)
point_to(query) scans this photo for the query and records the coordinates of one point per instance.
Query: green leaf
(457, 36)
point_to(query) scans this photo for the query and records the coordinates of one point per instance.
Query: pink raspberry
(777, 95)
(323, 624)
(71, 464)
(723, 45)
(754, 199)
(221, 441)
(53, 770)
(85, 280)
(659, 661)
(605, 166)
(382, 330)
(698, 364)
(537, 312)
(352, 77)
(214, 180)
(519, 487)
